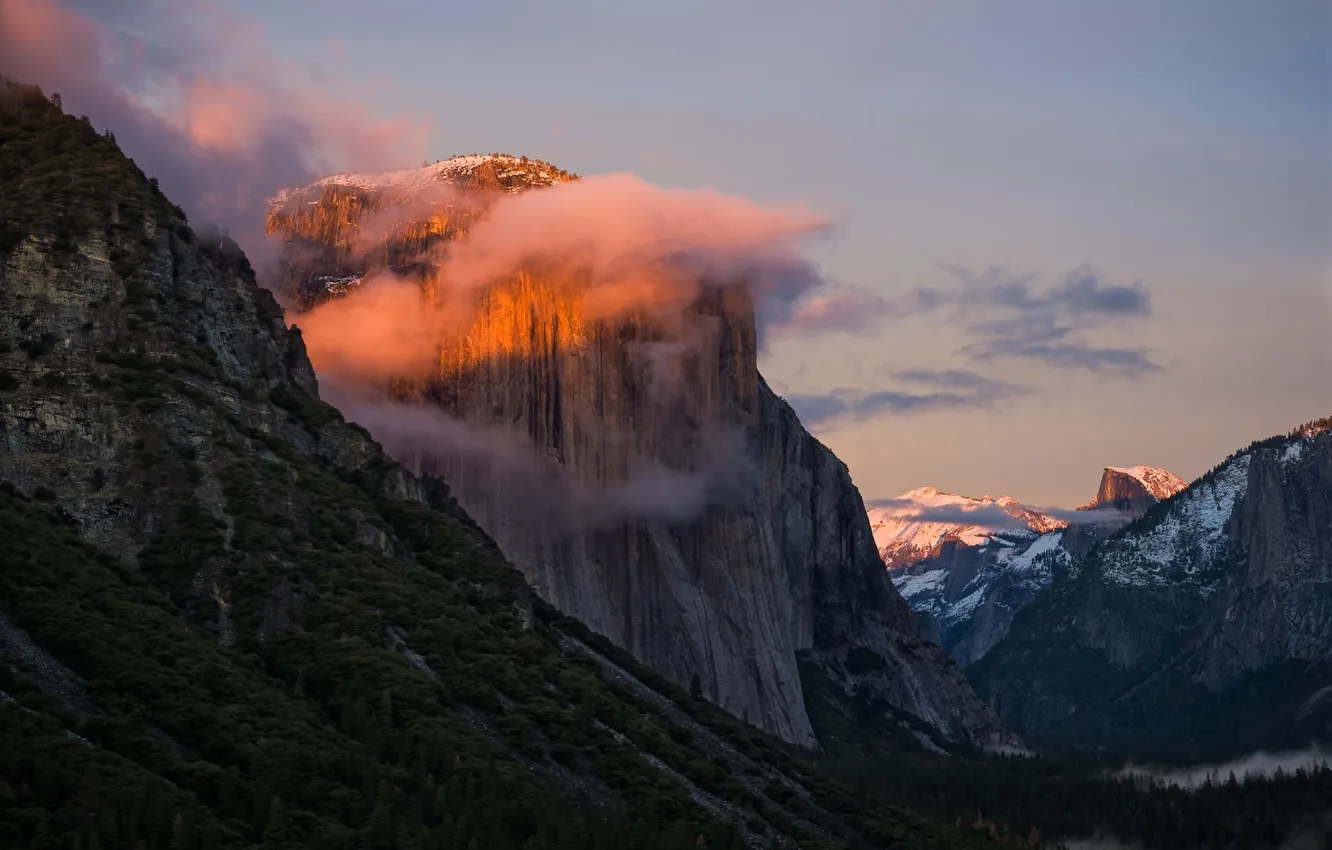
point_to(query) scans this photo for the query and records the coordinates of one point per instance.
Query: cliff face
(1134, 489)
(1214, 608)
(683, 511)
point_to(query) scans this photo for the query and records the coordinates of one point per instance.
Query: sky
(1076, 234)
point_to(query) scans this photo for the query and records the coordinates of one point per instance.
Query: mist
(1256, 765)
(547, 496)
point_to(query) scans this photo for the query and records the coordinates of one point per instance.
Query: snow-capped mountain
(1212, 612)
(915, 525)
(1133, 484)
(967, 565)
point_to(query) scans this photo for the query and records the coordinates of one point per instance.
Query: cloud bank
(605, 247)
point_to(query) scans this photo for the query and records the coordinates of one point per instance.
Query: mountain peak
(916, 523)
(1135, 487)
(493, 170)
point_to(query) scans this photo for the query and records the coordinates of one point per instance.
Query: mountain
(1134, 488)
(966, 581)
(228, 619)
(915, 526)
(1204, 626)
(772, 571)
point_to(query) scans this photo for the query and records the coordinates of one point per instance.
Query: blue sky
(1184, 148)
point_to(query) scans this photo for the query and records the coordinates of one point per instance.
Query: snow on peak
(1160, 483)
(916, 523)
(514, 173)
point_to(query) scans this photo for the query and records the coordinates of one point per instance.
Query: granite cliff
(764, 560)
(1206, 624)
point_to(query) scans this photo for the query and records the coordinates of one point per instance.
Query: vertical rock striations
(647, 481)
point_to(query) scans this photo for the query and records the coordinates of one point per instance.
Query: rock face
(666, 496)
(1212, 612)
(967, 580)
(1134, 489)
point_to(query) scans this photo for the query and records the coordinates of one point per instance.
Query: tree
(695, 687)
(275, 833)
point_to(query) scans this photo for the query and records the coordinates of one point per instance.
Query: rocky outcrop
(652, 485)
(1214, 608)
(1134, 489)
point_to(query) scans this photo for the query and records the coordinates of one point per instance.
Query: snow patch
(408, 182)
(1189, 538)
(924, 584)
(1293, 452)
(1030, 559)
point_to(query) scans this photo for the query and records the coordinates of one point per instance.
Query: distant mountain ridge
(1204, 624)
(912, 526)
(966, 581)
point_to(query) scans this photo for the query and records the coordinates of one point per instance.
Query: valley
(425, 536)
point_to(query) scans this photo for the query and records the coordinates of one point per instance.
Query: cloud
(992, 516)
(195, 96)
(600, 248)
(1011, 318)
(506, 469)
(852, 310)
(986, 516)
(953, 389)
(616, 226)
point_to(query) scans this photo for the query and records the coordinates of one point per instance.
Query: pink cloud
(196, 97)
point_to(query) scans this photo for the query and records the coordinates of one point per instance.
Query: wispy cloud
(852, 310)
(940, 390)
(1010, 317)
(983, 515)
(992, 516)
